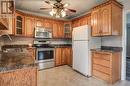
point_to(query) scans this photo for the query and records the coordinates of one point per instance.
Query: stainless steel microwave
(41, 32)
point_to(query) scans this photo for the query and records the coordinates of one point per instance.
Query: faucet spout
(7, 36)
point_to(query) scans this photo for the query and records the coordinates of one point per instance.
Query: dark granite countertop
(108, 49)
(62, 45)
(15, 60)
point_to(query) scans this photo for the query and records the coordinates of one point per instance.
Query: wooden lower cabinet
(58, 56)
(63, 56)
(19, 77)
(106, 65)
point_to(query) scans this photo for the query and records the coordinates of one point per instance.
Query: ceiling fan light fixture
(63, 13)
(66, 5)
(53, 12)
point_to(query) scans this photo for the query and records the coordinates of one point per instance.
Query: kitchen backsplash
(115, 41)
(1, 42)
(25, 40)
(18, 41)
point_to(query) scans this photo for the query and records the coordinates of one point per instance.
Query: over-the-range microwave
(41, 32)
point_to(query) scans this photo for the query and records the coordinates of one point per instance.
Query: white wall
(115, 41)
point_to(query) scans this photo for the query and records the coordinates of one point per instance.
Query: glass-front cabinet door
(19, 24)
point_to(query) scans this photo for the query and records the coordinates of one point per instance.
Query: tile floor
(65, 76)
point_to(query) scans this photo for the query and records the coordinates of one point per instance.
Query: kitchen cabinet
(58, 56)
(47, 23)
(63, 56)
(106, 19)
(67, 30)
(95, 15)
(106, 65)
(10, 26)
(58, 31)
(69, 56)
(19, 24)
(75, 23)
(38, 22)
(84, 20)
(29, 26)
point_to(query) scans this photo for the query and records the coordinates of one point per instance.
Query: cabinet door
(58, 56)
(95, 22)
(69, 56)
(55, 29)
(84, 21)
(29, 26)
(89, 20)
(106, 20)
(47, 23)
(76, 23)
(19, 24)
(10, 26)
(60, 30)
(64, 56)
(38, 22)
(67, 30)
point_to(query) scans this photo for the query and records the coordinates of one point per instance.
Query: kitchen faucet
(7, 36)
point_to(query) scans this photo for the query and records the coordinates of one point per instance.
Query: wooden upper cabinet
(95, 22)
(58, 29)
(67, 29)
(84, 21)
(75, 23)
(55, 29)
(105, 16)
(89, 20)
(29, 26)
(106, 20)
(10, 26)
(38, 22)
(19, 24)
(48, 23)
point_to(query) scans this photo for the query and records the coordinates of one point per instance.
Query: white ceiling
(33, 6)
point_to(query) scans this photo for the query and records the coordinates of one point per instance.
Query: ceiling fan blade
(47, 2)
(45, 8)
(59, 1)
(71, 10)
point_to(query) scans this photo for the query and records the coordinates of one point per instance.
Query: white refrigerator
(82, 43)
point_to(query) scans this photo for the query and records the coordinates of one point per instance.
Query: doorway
(128, 49)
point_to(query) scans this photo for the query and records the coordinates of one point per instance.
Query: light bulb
(63, 13)
(66, 5)
(51, 13)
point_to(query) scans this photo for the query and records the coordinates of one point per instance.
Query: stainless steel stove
(44, 54)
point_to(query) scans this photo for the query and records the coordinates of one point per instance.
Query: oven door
(45, 54)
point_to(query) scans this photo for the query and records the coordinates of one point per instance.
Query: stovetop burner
(43, 46)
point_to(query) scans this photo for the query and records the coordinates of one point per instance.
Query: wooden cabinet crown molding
(107, 3)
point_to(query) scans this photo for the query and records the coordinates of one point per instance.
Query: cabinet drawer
(102, 62)
(103, 69)
(101, 75)
(105, 56)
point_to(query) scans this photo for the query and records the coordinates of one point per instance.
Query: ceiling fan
(58, 9)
